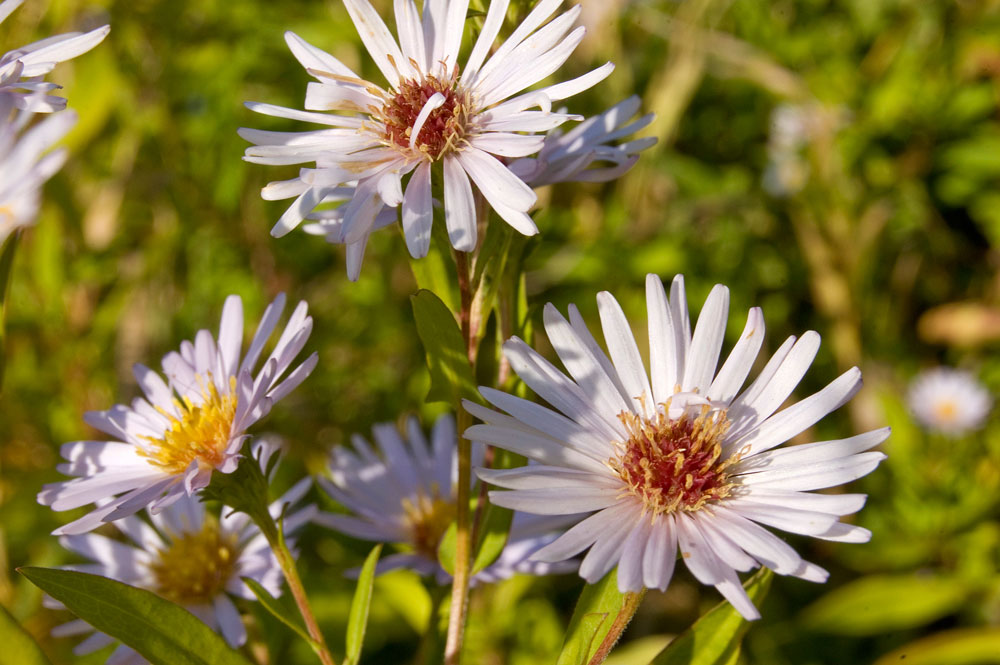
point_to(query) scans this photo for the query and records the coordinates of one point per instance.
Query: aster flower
(26, 163)
(21, 69)
(949, 401)
(190, 556)
(676, 458)
(168, 444)
(432, 112)
(403, 491)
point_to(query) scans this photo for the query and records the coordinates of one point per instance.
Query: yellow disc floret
(428, 518)
(201, 433)
(195, 567)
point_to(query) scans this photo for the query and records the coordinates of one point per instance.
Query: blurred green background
(836, 162)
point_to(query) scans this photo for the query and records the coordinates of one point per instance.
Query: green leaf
(715, 638)
(358, 618)
(447, 358)
(595, 612)
(18, 646)
(162, 632)
(279, 611)
(964, 646)
(446, 548)
(6, 263)
(492, 536)
(860, 607)
(245, 490)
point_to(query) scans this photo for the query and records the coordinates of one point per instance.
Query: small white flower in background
(676, 458)
(432, 112)
(168, 444)
(403, 491)
(21, 70)
(26, 163)
(190, 556)
(949, 401)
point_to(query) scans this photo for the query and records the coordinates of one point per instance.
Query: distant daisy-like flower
(168, 444)
(26, 163)
(21, 69)
(433, 112)
(949, 401)
(190, 556)
(676, 458)
(403, 491)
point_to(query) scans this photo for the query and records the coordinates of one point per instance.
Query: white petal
(707, 342)
(459, 206)
(418, 212)
(379, 42)
(624, 352)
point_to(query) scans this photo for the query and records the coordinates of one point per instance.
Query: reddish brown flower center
(442, 131)
(674, 464)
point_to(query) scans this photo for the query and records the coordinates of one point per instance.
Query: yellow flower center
(202, 432)
(195, 567)
(428, 517)
(945, 411)
(441, 132)
(674, 464)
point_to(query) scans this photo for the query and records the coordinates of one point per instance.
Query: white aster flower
(26, 163)
(187, 555)
(403, 492)
(949, 401)
(432, 112)
(676, 458)
(168, 444)
(21, 70)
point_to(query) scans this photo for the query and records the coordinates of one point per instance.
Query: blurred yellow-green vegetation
(835, 161)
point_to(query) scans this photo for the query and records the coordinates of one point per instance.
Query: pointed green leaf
(595, 612)
(358, 619)
(715, 638)
(446, 549)
(162, 632)
(279, 611)
(18, 646)
(447, 358)
(960, 646)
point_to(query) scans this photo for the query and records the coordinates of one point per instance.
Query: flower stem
(287, 563)
(463, 527)
(625, 614)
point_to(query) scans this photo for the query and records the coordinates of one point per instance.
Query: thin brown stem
(287, 563)
(629, 607)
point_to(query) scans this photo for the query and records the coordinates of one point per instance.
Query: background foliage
(875, 221)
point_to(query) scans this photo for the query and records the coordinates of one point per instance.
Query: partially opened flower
(677, 458)
(949, 401)
(27, 161)
(168, 444)
(191, 556)
(433, 114)
(403, 492)
(21, 69)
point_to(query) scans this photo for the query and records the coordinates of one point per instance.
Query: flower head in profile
(676, 458)
(461, 121)
(22, 69)
(189, 555)
(167, 444)
(949, 401)
(403, 491)
(27, 161)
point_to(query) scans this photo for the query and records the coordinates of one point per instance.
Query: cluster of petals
(365, 150)
(27, 161)
(949, 401)
(382, 485)
(135, 562)
(22, 69)
(575, 443)
(150, 463)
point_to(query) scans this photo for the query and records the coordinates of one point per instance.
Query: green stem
(463, 528)
(629, 607)
(287, 563)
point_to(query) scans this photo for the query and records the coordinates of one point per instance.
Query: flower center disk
(195, 566)
(674, 464)
(201, 432)
(442, 131)
(428, 518)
